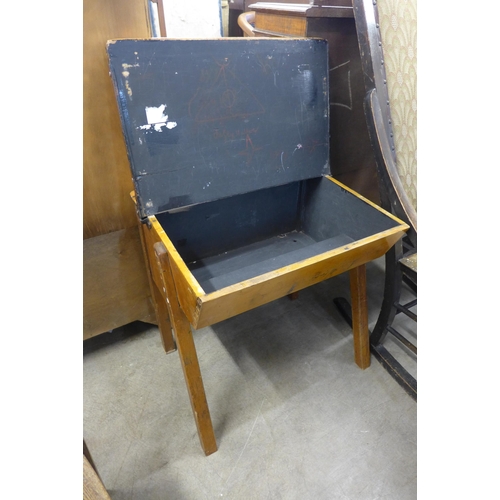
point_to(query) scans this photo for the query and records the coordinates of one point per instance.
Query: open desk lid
(208, 119)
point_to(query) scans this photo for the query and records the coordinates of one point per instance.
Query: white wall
(192, 19)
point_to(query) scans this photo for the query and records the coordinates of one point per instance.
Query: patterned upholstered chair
(387, 36)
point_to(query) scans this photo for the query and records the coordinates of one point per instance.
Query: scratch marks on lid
(126, 74)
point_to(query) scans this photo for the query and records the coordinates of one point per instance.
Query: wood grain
(244, 296)
(188, 356)
(188, 304)
(158, 295)
(281, 23)
(106, 172)
(116, 288)
(188, 289)
(115, 284)
(357, 278)
(93, 489)
(204, 309)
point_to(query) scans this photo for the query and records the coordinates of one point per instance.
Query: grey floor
(294, 417)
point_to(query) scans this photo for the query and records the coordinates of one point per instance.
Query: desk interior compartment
(228, 142)
(234, 239)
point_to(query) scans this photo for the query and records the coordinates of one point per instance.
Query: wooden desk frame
(235, 203)
(181, 302)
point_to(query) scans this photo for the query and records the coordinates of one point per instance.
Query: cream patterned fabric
(398, 26)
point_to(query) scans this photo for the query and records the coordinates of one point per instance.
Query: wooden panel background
(116, 289)
(106, 174)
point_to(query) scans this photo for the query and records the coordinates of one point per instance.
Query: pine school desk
(228, 145)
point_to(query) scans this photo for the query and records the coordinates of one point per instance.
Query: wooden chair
(387, 42)
(246, 22)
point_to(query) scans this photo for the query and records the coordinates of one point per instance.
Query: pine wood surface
(357, 278)
(93, 489)
(187, 354)
(188, 304)
(157, 294)
(204, 309)
(115, 285)
(116, 288)
(106, 171)
(236, 299)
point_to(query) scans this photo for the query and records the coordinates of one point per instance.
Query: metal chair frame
(401, 260)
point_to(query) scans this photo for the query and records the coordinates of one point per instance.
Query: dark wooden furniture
(351, 155)
(401, 260)
(228, 147)
(237, 7)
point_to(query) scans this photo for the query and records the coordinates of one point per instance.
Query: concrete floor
(294, 417)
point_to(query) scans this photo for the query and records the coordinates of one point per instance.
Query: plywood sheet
(106, 174)
(115, 286)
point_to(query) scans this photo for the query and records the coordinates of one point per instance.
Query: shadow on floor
(124, 333)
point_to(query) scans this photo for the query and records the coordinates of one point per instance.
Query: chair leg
(188, 356)
(360, 316)
(396, 370)
(394, 278)
(392, 293)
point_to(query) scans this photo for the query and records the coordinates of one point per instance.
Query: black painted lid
(208, 119)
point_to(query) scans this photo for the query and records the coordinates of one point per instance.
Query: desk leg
(360, 317)
(159, 303)
(163, 319)
(188, 357)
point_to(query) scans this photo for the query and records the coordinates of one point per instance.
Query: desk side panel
(189, 292)
(115, 284)
(255, 292)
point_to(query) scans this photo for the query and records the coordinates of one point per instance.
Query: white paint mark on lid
(156, 114)
(157, 118)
